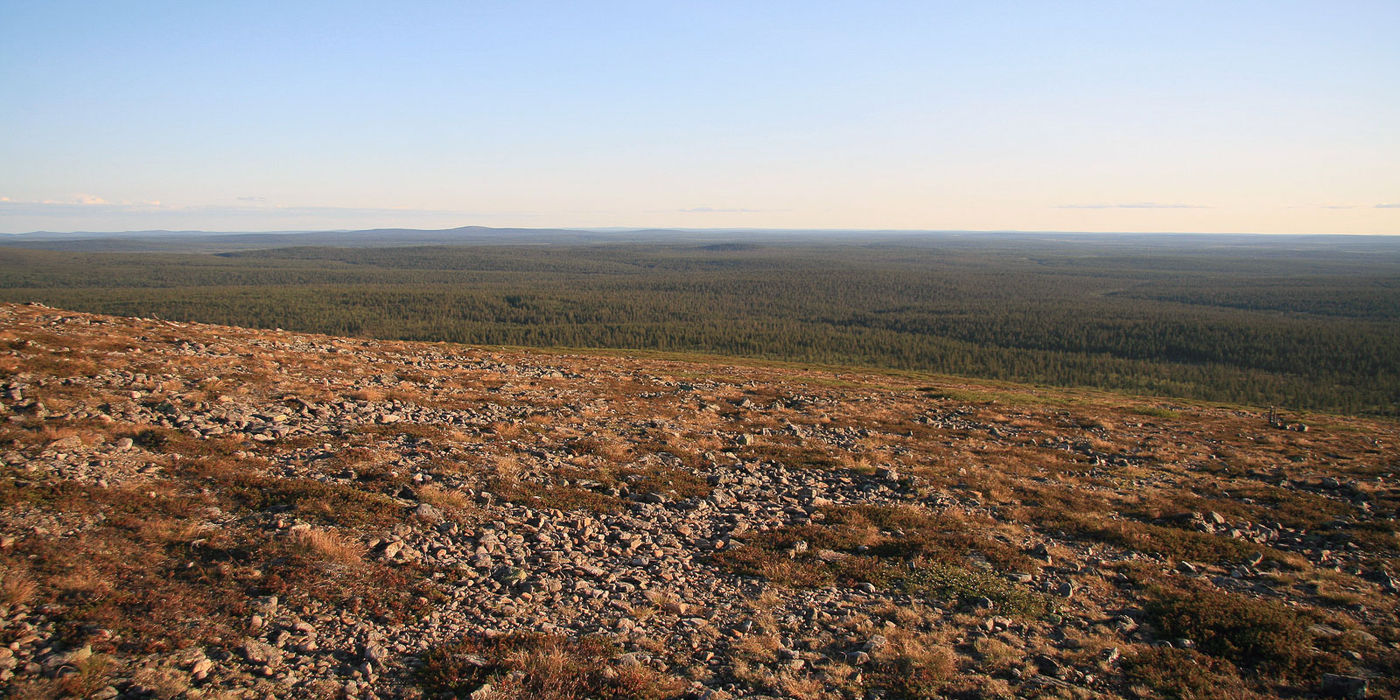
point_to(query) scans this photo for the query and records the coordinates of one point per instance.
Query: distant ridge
(219, 241)
(196, 241)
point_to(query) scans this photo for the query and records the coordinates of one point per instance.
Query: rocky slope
(201, 511)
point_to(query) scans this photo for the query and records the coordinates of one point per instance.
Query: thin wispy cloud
(1394, 205)
(88, 213)
(90, 204)
(714, 210)
(1134, 205)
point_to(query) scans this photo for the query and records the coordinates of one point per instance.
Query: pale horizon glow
(1228, 117)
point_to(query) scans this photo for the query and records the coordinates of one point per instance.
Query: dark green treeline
(1307, 329)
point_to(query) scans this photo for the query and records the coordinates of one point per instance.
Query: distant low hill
(718, 239)
(207, 241)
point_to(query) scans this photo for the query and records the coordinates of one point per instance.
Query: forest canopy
(1312, 326)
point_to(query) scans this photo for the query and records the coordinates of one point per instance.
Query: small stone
(1325, 631)
(1338, 686)
(267, 605)
(259, 653)
(1049, 666)
(375, 654)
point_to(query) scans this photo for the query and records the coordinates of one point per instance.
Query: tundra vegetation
(191, 510)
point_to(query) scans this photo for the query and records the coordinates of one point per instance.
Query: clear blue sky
(1151, 116)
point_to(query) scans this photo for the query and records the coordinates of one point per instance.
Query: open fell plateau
(202, 511)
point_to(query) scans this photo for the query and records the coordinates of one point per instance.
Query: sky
(1271, 117)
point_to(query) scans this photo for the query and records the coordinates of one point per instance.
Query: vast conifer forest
(1307, 323)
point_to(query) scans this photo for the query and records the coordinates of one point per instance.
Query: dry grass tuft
(328, 545)
(536, 667)
(16, 587)
(450, 501)
(370, 395)
(996, 654)
(79, 679)
(506, 468)
(610, 450)
(914, 666)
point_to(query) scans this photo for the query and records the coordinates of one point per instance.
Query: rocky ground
(201, 511)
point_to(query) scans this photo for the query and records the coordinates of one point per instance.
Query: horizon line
(639, 229)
